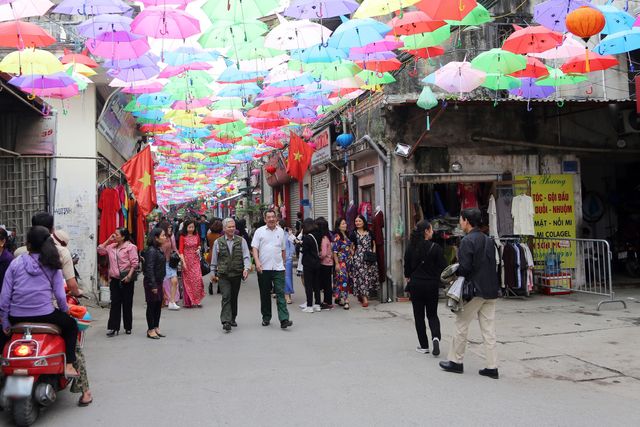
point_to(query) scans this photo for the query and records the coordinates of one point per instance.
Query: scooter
(33, 363)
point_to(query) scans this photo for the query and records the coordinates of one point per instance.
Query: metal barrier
(572, 265)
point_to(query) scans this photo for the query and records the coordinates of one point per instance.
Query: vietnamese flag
(139, 173)
(299, 157)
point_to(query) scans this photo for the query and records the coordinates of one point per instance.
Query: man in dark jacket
(478, 264)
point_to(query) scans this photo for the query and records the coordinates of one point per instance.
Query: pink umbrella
(569, 48)
(162, 23)
(58, 92)
(195, 103)
(456, 77)
(18, 9)
(389, 43)
(118, 45)
(145, 88)
(171, 71)
(164, 2)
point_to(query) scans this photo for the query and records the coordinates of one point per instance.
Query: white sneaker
(303, 305)
(307, 310)
(316, 307)
(173, 306)
(422, 350)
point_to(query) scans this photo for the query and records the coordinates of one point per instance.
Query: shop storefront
(320, 176)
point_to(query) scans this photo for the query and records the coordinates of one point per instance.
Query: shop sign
(323, 148)
(38, 137)
(119, 126)
(554, 217)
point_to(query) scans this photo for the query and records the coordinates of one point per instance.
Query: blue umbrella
(318, 53)
(193, 133)
(149, 114)
(187, 55)
(357, 33)
(155, 100)
(241, 90)
(301, 80)
(616, 20)
(146, 60)
(624, 41)
(232, 74)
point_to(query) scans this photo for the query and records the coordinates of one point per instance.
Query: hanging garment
(503, 212)
(365, 210)
(378, 238)
(109, 205)
(529, 258)
(352, 212)
(468, 195)
(509, 266)
(493, 217)
(141, 227)
(522, 213)
(519, 260)
(439, 206)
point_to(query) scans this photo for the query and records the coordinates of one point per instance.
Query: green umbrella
(557, 78)
(338, 70)
(498, 61)
(422, 40)
(247, 141)
(225, 34)
(181, 91)
(231, 104)
(500, 81)
(479, 15)
(239, 10)
(373, 78)
(232, 134)
(256, 50)
(232, 126)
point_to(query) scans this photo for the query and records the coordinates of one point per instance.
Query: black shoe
(450, 366)
(210, 288)
(265, 323)
(233, 323)
(112, 333)
(436, 347)
(227, 326)
(491, 373)
(127, 331)
(285, 324)
(153, 337)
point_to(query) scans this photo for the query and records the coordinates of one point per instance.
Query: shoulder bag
(124, 273)
(369, 256)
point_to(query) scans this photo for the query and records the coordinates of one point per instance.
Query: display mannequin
(352, 212)
(378, 238)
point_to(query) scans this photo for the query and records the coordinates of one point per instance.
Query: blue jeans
(288, 277)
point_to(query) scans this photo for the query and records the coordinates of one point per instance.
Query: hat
(62, 237)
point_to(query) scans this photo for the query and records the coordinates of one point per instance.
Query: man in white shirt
(268, 246)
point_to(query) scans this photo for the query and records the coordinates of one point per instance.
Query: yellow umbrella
(370, 8)
(80, 69)
(31, 61)
(188, 121)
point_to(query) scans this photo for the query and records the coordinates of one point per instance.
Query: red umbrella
(156, 128)
(208, 120)
(597, 62)
(533, 39)
(278, 103)
(454, 10)
(19, 35)
(267, 123)
(535, 69)
(414, 23)
(427, 52)
(78, 58)
(380, 66)
(263, 114)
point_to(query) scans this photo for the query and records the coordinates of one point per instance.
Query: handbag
(174, 260)
(204, 267)
(468, 290)
(125, 273)
(369, 257)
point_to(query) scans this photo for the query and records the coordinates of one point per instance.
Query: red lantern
(585, 22)
(271, 169)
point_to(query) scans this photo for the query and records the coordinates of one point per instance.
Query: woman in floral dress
(191, 275)
(364, 274)
(342, 251)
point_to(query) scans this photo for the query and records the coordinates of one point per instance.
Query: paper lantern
(271, 169)
(344, 140)
(585, 22)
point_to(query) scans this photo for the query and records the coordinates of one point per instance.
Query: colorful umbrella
(616, 20)
(118, 45)
(422, 40)
(553, 13)
(186, 54)
(498, 61)
(500, 81)
(447, 9)
(32, 62)
(578, 64)
(39, 81)
(57, 92)
(239, 10)
(78, 58)
(374, 78)
(91, 7)
(358, 33)
(318, 53)
(296, 34)
(532, 39)
(535, 68)
(557, 78)
(318, 9)
(622, 42)
(19, 9)
(134, 74)
(370, 8)
(479, 15)
(224, 34)
(530, 90)
(384, 45)
(162, 23)
(456, 77)
(18, 35)
(569, 47)
(278, 104)
(413, 23)
(103, 23)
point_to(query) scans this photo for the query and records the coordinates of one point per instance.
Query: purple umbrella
(146, 60)
(134, 74)
(552, 13)
(373, 56)
(39, 81)
(300, 114)
(530, 90)
(118, 45)
(316, 9)
(314, 101)
(102, 24)
(162, 23)
(91, 7)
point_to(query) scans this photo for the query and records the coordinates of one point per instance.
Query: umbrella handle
(529, 108)
(413, 73)
(560, 104)
(589, 91)
(31, 97)
(379, 74)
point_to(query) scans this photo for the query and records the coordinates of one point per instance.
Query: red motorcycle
(33, 363)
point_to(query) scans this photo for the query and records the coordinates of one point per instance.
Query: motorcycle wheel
(633, 267)
(25, 412)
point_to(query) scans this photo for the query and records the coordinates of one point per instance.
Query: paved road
(354, 367)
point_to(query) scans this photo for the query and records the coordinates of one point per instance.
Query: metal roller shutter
(320, 188)
(294, 200)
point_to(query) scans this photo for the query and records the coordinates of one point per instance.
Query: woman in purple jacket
(29, 283)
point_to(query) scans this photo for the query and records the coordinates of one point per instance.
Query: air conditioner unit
(630, 122)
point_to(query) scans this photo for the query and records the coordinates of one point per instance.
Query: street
(561, 363)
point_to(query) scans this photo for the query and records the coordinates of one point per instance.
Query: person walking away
(154, 272)
(326, 263)
(342, 251)
(30, 284)
(5, 255)
(311, 264)
(477, 260)
(213, 234)
(268, 247)
(290, 250)
(230, 263)
(191, 274)
(363, 272)
(169, 248)
(123, 261)
(423, 263)
(203, 227)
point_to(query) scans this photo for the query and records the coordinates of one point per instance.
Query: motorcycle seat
(36, 328)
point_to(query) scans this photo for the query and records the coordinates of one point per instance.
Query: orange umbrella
(454, 10)
(414, 23)
(20, 35)
(427, 52)
(381, 66)
(278, 103)
(78, 58)
(595, 61)
(535, 68)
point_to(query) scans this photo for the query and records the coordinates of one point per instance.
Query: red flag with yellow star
(139, 173)
(299, 157)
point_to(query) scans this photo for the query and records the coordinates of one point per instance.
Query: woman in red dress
(191, 275)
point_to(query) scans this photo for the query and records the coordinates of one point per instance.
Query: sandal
(83, 404)
(346, 306)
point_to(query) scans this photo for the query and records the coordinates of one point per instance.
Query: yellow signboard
(554, 217)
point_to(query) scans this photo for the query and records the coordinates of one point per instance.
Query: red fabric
(299, 157)
(141, 226)
(121, 197)
(468, 194)
(109, 205)
(191, 274)
(139, 173)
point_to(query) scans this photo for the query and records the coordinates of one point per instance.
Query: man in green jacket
(230, 262)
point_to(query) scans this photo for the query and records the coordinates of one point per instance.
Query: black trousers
(67, 324)
(425, 302)
(154, 306)
(121, 304)
(312, 285)
(230, 288)
(325, 282)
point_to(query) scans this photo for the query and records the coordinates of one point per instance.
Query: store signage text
(323, 148)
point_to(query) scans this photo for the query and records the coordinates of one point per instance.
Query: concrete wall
(75, 181)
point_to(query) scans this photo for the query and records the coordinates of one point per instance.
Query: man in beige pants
(478, 264)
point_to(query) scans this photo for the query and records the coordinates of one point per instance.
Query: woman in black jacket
(311, 264)
(423, 264)
(154, 272)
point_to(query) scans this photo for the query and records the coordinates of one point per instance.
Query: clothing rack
(508, 291)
